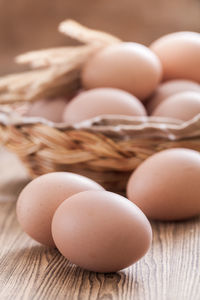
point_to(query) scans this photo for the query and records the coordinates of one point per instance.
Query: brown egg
(40, 198)
(183, 106)
(101, 231)
(179, 54)
(128, 66)
(102, 101)
(169, 88)
(166, 185)
(50, 109)
(22, 109)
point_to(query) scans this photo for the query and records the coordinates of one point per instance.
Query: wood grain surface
(170, 270)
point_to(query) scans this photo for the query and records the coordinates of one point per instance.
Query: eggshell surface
(128, 66)
(179, 53)
(101, 231)
(101, 101)
(40, 198)
(169, 88)
(50, 109)
(166, 185)
(183, 106)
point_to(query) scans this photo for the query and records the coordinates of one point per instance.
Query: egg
(22, 109)
(40, 198)
(169, 88)
(101, 231)
(128, 66)
(183, 106)
(166, 185)
(179, 53)
(101, 101)
(50, 109)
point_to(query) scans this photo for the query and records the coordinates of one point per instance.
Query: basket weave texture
(107, 148)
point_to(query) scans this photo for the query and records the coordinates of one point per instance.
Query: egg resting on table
(166, 185)
(39, 199)
(101, 231)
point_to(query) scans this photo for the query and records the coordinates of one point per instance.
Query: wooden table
(170, 270)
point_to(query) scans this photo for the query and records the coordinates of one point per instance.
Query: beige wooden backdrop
(31, 24)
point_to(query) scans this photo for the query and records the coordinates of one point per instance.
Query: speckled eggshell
(166, 185)
(102, 101)
(128, 66)
(101, 231)
(41, 197)
(179, 53)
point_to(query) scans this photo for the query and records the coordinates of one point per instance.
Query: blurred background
(32, 24)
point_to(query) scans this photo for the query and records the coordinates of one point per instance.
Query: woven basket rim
(116, 125)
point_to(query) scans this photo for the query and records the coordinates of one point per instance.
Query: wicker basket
(107, 148)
